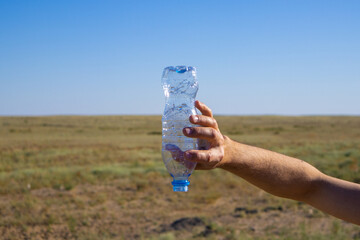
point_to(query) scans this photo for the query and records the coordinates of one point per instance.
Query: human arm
(275, 173)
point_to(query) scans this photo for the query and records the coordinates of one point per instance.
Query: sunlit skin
(275, 173)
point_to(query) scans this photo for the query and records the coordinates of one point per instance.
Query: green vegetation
(77, 177)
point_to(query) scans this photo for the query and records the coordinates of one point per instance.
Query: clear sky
(106, 57)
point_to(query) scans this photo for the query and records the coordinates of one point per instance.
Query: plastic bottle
(180, 87)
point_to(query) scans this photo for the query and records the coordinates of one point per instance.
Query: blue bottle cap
(180, 185)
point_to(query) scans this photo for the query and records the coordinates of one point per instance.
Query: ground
(102, 177)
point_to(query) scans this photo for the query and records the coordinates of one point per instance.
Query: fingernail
(188, 130)
(195, 118)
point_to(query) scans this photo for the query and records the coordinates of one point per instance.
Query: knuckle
(216, 134)
(210, 156)
(213, 133)
(221, 154)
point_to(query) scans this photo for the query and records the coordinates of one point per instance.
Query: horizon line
(146, 114)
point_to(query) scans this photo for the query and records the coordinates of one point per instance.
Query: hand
(178, 156)
(214, 152)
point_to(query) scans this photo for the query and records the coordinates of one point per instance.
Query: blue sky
(106, 57)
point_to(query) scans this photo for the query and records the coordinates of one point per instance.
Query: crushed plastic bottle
(180, 87)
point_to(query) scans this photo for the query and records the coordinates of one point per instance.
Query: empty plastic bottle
(180, 87)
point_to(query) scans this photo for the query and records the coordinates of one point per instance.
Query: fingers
(205, 110)
(175, 151)
(204, 121)
(214, 155)
(206, 133)
(178, 155)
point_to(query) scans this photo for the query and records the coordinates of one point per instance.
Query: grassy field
(77, 177)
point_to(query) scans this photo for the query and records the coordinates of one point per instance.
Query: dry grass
(71, 177)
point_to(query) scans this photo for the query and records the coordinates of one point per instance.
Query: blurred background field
(102, 177)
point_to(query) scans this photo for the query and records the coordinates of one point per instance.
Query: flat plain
(102, 177)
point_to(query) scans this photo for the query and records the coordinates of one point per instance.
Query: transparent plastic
(180, 87)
